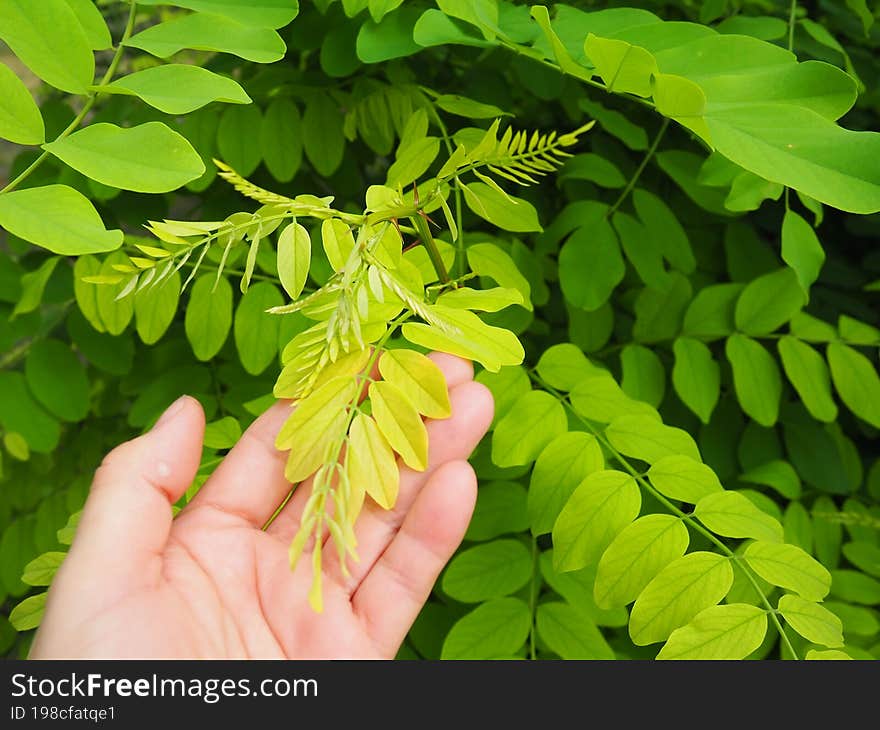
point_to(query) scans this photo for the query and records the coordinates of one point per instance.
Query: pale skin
(211, 583)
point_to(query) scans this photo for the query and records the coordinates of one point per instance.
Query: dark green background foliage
(734, 291)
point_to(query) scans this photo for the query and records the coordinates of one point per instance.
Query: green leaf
(696, 376)
(413, 160)
(646, 438)
(262, 13)
(625, 68)
(594, 168)
(209, 32)
(419, 379)
(506, 385)
(860, 8)
(601, 506)
(808, 373)
(856, 381)
(812, 621)
(854, 587)
(710, 315)
(501, 509)
(281, 145)
(294, 258)
(570, 632)
(494, 629)
(20, 118)
(491, 570)
(730, 514)
(400, 423)
(829, 655)
(463, 107)
(155, 308)
(731, 631)
(208, 315)
(223, 433)
(515, 440)
(756, 378)
(801, 249)
(41, 570)
(505, 211)
(322, 135)
(677, 594)
(391, 37)
(635, 556)
(789, 567)
(563, 464)
(682, 478)
(28, 614)
(600, 398)
(48, 38)
(115, 156)
(778, 474)
(659, 311)
(58, 380)
(769, 302)
(239, 147)
(20, 413)
(33, 284)
(670, 237)
(489, 260)
(564, 365)
(57, 218)
(864, 555)
(591, 265)
(179, 88)
(492, 347)
(481, 300)
(115, 311)
(644, 378)
(255, 331)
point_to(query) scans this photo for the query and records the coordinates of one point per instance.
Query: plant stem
(689, 519)
(791, 24)
(640, 169)
(421, 224)
(87, 107)
(458, 241)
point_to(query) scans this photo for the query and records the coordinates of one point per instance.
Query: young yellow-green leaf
(732, 515)
(115, 156)
(16, 446)
(48, 39)
(600, 398)
(507, 212)
(412, 161)
(93, 24)
(601, 506)
(338, 242)
(812, 621)
(223, 433)
(85, 293)
(208, 315)
(829, 655)
(464, 107)
(625, 68)
(58, 379)
(481, 300)
(644, 378)
(564, 365)
(801, 249)
(756, 378)
(570, 632)
(492, 347)
(789, 567)
(515, 440)
(635, 556)
(209, 32)
(856, 381)
(294, 258)
(29, 613)
(20, 118)
(281, 139)
(696, 376)
(678, 593)
(176, 88)
(768, 302)
(41, 570)
(646, 438)
(58, 218)
(487, 259)
(683, 100)
(260, 13)
(808, 373)
(155, 307)
(256, 331)
(420, 380)
(506, 385)
(681, 477)
(400, 423)
(371, 462)
(576, 587)
(315, 424)
(115, 311)
(491, 570)
(730, 631)
(494, 629)
(563, 464)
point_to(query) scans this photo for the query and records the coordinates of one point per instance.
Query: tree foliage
(647, 226)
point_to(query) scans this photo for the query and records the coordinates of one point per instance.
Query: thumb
(127, 516)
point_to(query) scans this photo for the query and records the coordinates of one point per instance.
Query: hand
(213, 583)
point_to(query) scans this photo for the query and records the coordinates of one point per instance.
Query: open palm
(214, 583)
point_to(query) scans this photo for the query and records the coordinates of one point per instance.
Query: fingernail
(172, 411)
